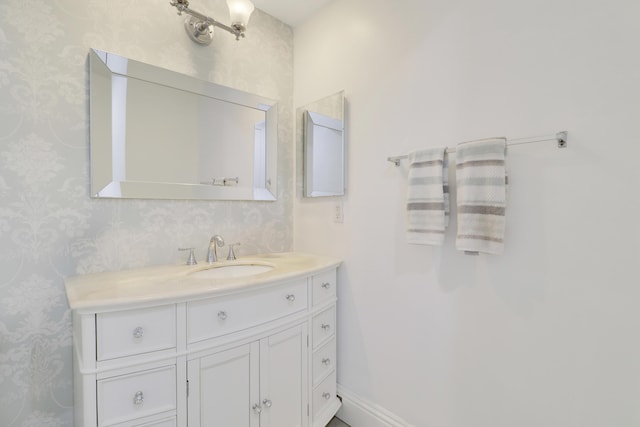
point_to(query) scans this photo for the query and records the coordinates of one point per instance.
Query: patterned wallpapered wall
(50, 228)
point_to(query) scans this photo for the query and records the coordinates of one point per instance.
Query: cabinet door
(283, 379)
(223, 388)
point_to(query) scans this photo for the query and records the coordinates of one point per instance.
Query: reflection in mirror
(324, 148)
(162, 135)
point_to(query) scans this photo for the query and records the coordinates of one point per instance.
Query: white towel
(427, 196)
(481, 178)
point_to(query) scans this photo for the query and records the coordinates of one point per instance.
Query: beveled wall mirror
(324, 148)
(158, 134)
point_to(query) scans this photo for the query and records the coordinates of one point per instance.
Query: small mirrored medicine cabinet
(324, 146)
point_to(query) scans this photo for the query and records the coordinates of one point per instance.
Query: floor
(337, 422)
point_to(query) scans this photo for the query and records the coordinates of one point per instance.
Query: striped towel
(481, 178)
(427, 196)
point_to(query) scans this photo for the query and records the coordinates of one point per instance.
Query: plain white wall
(547, 334)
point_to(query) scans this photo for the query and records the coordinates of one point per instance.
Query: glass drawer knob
(138, 332)
(222, 315)
(326, 285)
(291, 297)
(326, 361)
(326, 395)
(138, 398)
(325, 327)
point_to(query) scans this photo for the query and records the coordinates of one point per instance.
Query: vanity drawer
(323, 326)
(165, 422)
(137, 395)
(219, 316)
(125, 333)
(324, 394)
(324, 286)
(324, 360)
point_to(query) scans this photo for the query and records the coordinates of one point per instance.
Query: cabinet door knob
(291, 297)
(326, 285)
(325, 327)
(267, 403)
(222, 315)
(138, 398)
(138, 332)
(257, 409)
(326, 361)
(326, 395)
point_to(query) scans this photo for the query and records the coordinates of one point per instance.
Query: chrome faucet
(212, 253)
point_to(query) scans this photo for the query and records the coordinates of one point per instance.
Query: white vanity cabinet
(126, 369)
(254, 352)
(268, 376)
(324, 401)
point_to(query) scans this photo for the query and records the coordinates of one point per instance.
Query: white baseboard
(359, 412)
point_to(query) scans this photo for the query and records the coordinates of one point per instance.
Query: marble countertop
(175, 283)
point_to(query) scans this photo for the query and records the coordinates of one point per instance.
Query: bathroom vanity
(245, 343)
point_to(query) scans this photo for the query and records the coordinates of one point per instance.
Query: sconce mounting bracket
(199, 31)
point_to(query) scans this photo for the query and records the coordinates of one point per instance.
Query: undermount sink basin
(229, 271)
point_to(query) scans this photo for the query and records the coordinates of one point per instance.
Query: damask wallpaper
(50, 228)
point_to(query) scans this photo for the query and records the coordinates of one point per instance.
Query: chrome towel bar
(560, 138)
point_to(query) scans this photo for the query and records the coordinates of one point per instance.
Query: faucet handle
(192, 258)
(232, 254)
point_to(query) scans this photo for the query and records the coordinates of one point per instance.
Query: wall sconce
(200, 27)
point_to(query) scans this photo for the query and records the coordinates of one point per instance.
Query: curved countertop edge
(112, 291)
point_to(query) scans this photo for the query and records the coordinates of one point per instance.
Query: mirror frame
(103, 67)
